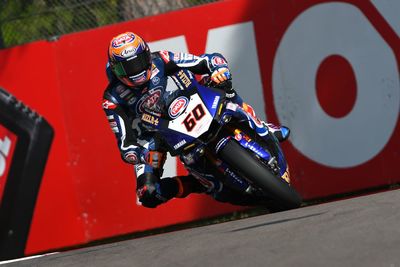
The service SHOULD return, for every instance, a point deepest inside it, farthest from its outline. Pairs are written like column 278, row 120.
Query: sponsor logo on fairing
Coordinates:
column 177, row 107
column 253, row 148
column 286, row 175
column 180, row 144
column 120, row 41
column 238, row 137
column 108, row 104
column 215, row 102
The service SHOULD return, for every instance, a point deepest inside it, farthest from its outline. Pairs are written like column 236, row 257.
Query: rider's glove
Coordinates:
column 221, row 75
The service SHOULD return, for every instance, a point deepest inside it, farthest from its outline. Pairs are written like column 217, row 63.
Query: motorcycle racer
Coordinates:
column 138, row 82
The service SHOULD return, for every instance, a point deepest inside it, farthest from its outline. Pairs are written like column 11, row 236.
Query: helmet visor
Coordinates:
column 133, row 66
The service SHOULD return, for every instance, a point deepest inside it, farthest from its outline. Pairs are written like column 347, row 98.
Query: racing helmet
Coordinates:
column 130, row 59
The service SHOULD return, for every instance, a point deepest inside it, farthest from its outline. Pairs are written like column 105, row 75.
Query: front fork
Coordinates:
column 246, row 114
column 246, row 142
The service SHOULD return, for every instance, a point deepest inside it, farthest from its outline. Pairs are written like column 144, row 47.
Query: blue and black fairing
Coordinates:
column 188, row 86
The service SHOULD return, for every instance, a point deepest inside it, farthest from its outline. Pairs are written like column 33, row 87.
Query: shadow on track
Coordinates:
column 276, row 222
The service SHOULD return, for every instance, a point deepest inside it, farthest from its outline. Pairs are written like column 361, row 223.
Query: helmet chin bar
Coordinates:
column 137, row 80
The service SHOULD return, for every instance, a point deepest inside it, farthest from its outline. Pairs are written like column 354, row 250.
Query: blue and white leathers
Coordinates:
column 124, row 105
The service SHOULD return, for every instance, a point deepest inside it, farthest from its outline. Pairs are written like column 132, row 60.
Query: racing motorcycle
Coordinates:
column 220, row 143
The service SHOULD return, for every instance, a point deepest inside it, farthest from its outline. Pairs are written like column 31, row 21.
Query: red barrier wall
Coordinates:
column 88, row 193
column 30, row 73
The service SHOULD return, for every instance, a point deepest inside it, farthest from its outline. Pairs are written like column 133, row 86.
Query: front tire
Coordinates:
column 242, row 161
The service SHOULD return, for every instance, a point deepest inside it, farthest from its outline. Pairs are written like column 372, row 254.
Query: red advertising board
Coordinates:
column 30, row 73
column 327, row 69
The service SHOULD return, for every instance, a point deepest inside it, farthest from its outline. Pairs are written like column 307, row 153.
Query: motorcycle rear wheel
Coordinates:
column 244, row 163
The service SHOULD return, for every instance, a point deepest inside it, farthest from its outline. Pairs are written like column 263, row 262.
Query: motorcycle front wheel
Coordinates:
column 248, row 166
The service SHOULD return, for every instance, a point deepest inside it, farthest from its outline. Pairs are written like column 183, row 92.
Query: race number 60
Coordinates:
column 191, row 120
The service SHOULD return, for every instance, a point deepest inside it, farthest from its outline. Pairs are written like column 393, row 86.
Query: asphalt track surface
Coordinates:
column 361, row 231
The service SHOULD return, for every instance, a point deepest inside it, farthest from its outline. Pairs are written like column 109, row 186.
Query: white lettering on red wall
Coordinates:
column 5, row 145
column 390, row 11
column 320, row 32
column 237, row 43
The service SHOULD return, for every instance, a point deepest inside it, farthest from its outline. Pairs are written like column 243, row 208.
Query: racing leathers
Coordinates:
column 124, row 106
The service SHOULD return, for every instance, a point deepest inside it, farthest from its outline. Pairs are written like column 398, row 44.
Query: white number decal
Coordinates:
column 195, row 120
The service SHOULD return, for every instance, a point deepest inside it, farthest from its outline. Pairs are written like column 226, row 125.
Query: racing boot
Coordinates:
column 152, row 191
column 280, row 132
column 188, row 184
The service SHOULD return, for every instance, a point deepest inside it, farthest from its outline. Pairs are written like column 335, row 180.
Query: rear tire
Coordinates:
column 242, row 161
